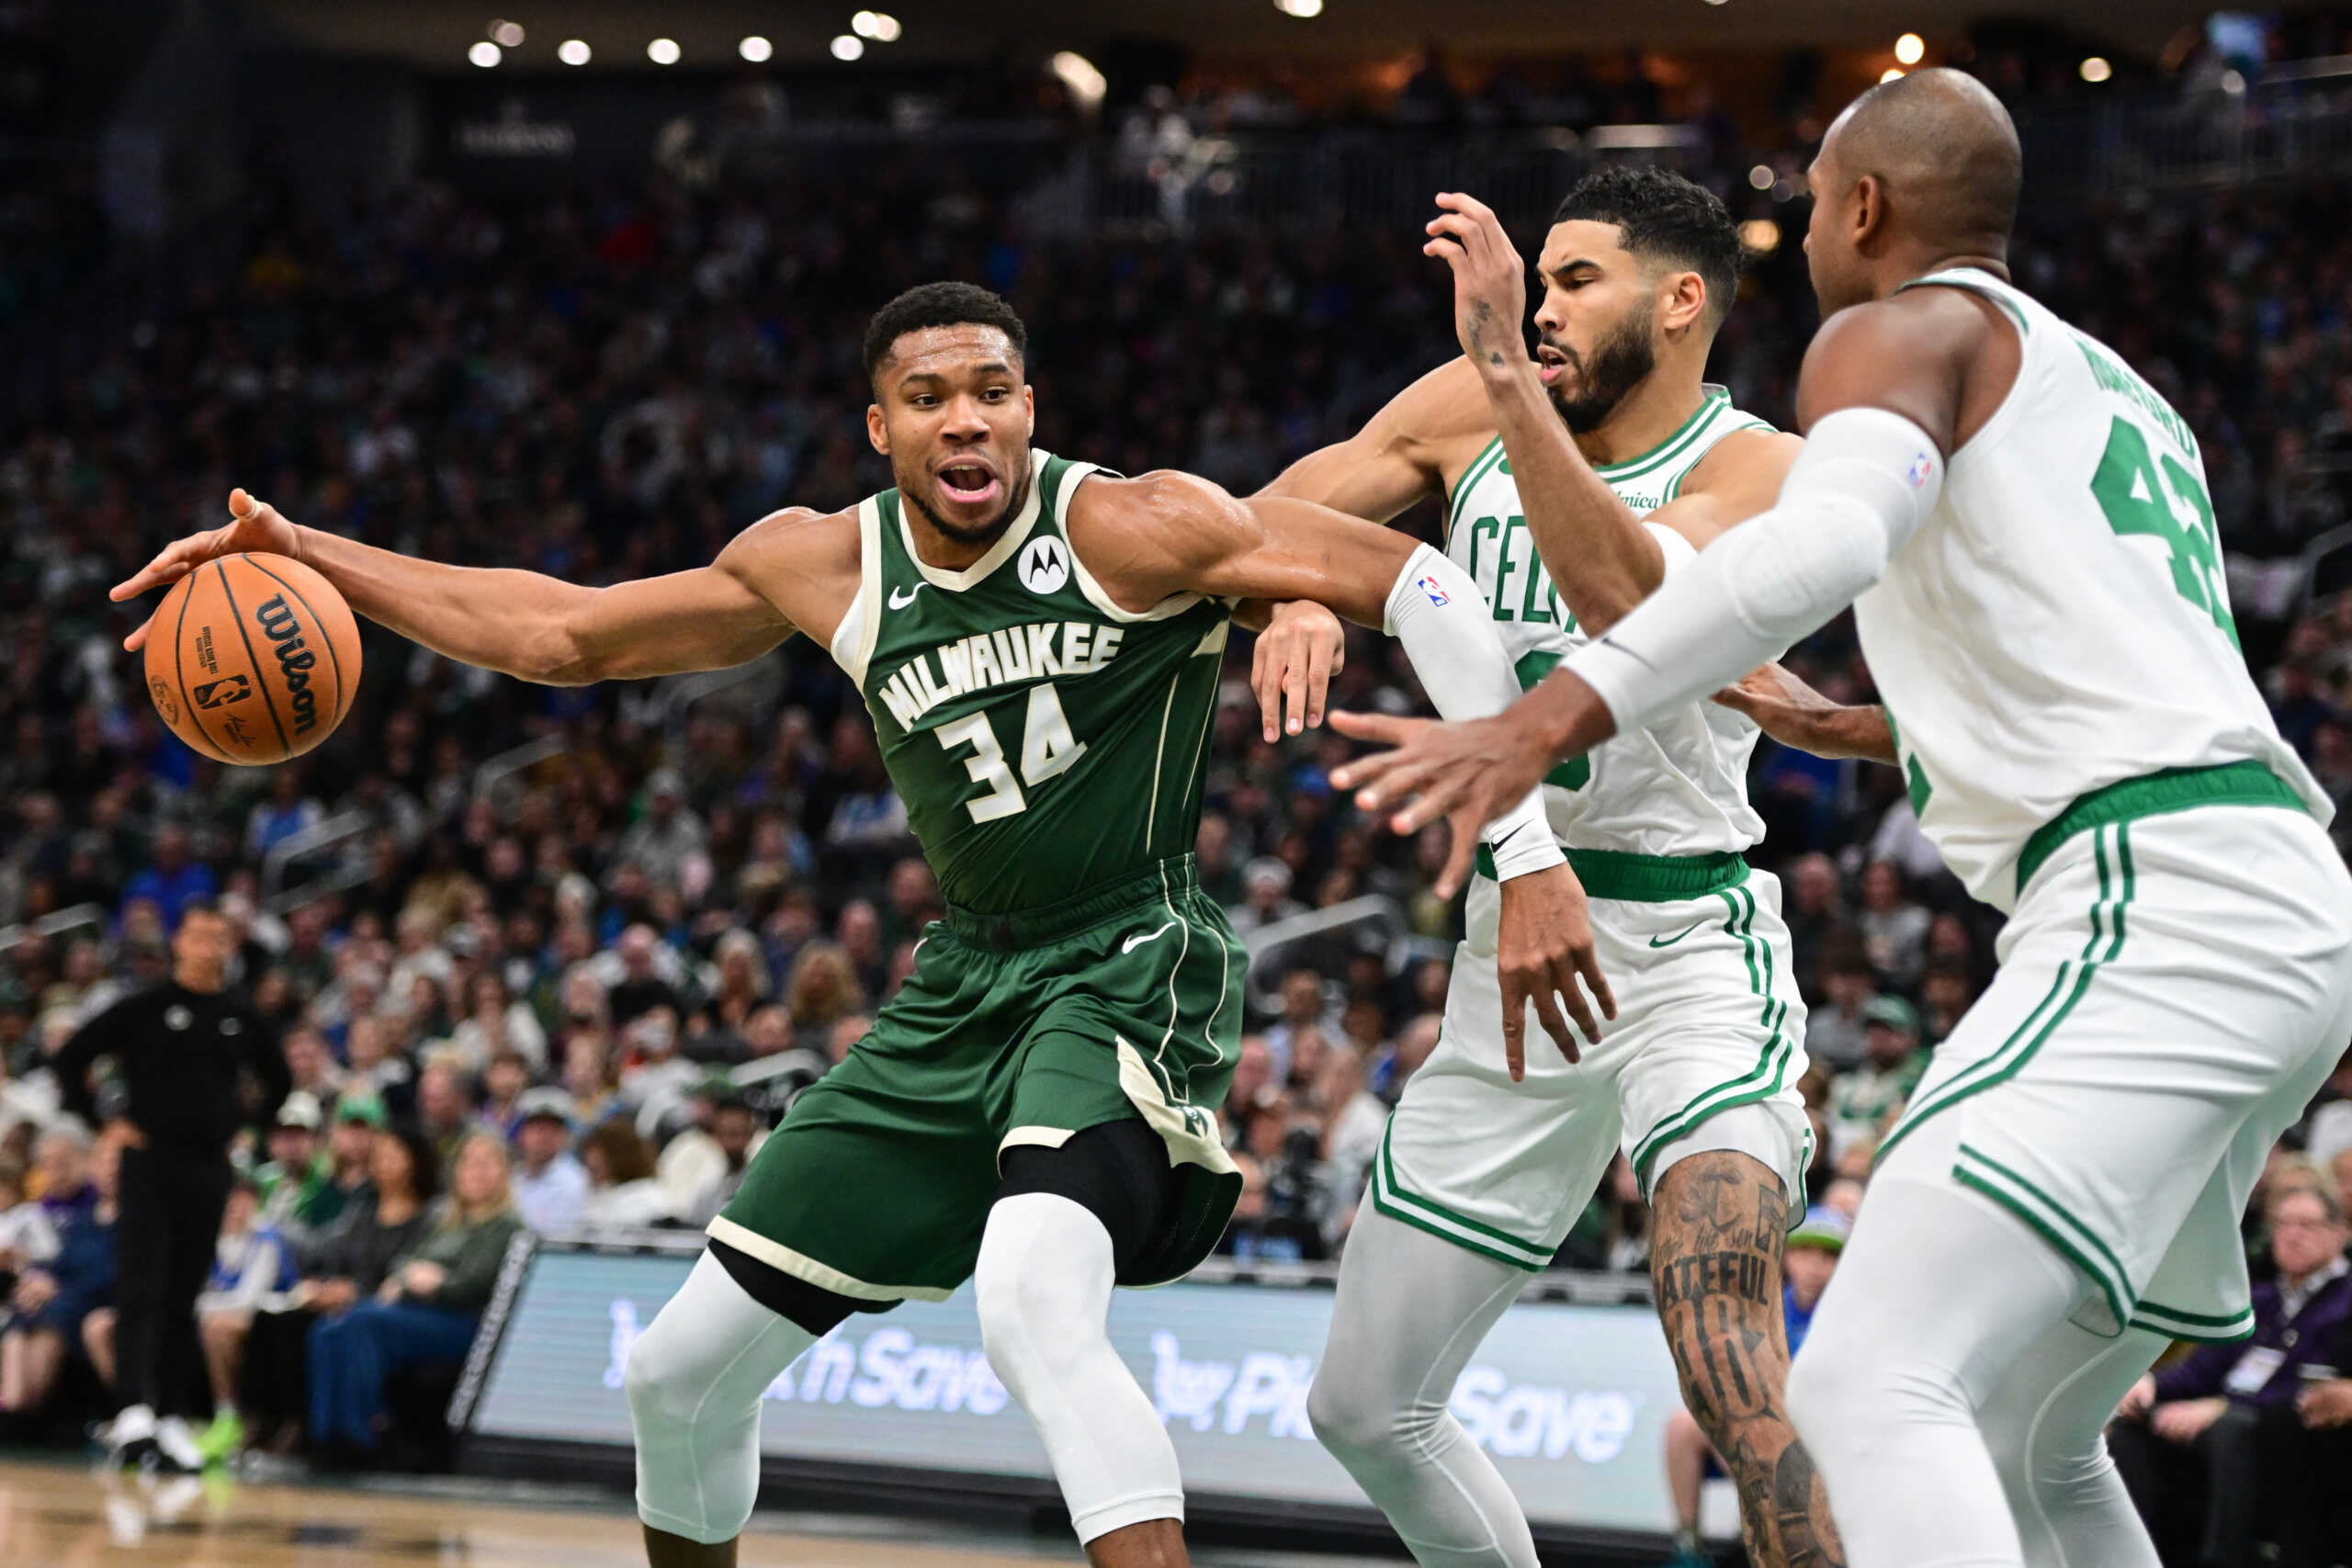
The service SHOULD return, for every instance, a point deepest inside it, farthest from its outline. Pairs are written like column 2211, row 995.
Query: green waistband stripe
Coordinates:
column 2161, row 794
column 1645, row 879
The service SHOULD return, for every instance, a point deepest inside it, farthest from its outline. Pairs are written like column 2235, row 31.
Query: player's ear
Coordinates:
column 1682, row 300
column 1029, row 405
column 1869, row 210
column 877, row 430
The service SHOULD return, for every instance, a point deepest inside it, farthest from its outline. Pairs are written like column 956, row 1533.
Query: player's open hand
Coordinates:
column 1301, row 648
column 1468, row 774
column 1543, row 951
column 1490, row 282
column 253, row 525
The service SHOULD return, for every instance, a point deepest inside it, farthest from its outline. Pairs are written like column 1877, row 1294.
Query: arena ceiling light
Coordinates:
column 1760, row 177
column 1086, row 84
column 506, row 35
column 879, row 26
column 847, row 46
column 1910, row 48
column 574, row 51
column 663, row 51
column 1303, row 9
column 2096, row 69
column 1760, row 235
column 1892, row 73
column 484, row 54
column 756, row 50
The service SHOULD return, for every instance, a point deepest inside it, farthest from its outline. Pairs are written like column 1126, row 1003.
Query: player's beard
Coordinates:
column 1621, row 361
column 984, row 534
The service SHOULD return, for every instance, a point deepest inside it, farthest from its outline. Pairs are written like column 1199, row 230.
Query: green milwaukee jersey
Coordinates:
column 1043, row 739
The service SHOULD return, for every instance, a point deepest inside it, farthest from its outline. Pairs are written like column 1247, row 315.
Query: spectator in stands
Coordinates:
column 427, row 1309
column 2190, row 1467
column 1864, row 1101
column 736, row 1131
column 443, row 1111
column 1265, row 895
column 2305, row 1459
column 1835, row 1034
column 668, row 836
column 643, row 986
column 295, row 1182
column 1816, row 912
column 743, row 983
column 173, row 881
column 1304, row 1007
column 1414, row 1044
column 590, row 1076
column 348, row 1264
column 1945, row 996
column 622, row 1192
column 1355, row 1121
column 503, row 1083
column 550, row 1184
column 496, row 1022
column 1809, row 1259
column 1894, row 928
column 823, row 986
column 251, row 1264
column 379, row 1075
column 51, row 1311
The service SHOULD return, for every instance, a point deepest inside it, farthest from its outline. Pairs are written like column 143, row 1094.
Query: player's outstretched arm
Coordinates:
column 1604, row 557
column 1396, row 461
column 1882, row 391
column 1795, row 715
column 527, row 625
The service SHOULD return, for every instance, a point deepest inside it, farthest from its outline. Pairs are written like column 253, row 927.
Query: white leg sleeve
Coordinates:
column 693, row 1378
column 1043, row 1284
column 1411, row 1311
column 1939, row 1295
column 2045, row 1425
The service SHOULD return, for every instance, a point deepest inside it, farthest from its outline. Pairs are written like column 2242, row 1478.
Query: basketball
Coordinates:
column 254, row 658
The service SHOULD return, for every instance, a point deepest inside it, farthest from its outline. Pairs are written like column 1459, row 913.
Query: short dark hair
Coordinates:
column 1661, row 216
column 940, row 305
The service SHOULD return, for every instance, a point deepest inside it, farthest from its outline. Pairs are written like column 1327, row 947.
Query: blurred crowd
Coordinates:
column 570, row 989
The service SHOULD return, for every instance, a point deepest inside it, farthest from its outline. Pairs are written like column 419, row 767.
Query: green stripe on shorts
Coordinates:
column 1392, row 1199
column 1760, row 1082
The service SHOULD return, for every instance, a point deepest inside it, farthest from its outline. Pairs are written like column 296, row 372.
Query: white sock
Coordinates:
column 178, row 1444
column 1043, row 1281
column 133, row 1423
column 1411, row 1311
column 693, row 1378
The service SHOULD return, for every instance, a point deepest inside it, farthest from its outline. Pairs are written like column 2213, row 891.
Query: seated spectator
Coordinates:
column 496, row 1022
column 655, row 1079
column 1265, row 895
column 1811, row 1257
column 27, row 1235
column 1355, row 1121
column 380, row 1220
column 443, row 1111
column 1864, row 1100
column 2306, row 1454
column 550, row 1184
column 590, row 1076
column 622, row 1192
column 64, row 1306
column 427, row 1309
column 736, row 1131
column 1414, row 1044
column 1304, row 1007
column 503, row 1083
column 846, row 1031
column 1945, row 996
column 743, row 982
column 822, row 985
column 1281, row 1213
column 62, row 1175
column 1894, row 928
column 1833, row 1031
column 251, row 1264
column 378, row 1070
column 2185, row 1436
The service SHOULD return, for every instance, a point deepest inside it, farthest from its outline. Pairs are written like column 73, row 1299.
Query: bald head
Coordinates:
column 1947, row 153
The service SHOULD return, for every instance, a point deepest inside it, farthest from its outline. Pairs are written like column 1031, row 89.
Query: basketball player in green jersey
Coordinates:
column 1039, row 646
column 1610, row 457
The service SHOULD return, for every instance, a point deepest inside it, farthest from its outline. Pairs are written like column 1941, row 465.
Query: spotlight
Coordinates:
column 484, row 54
column 1910, row 48
column 1891, row 73
column 2096, row 69
column 1078, row 73
column 846, row 47
column 1760, row 177
column 572, row 51
column 663, row 51
column 1302, row 9
column 879, row 26
column 506, row 35
column 755, row 48
column 1760, row 235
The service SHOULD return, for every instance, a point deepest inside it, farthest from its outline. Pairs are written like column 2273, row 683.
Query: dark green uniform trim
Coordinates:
column 2161, row 794
column 1645, row 879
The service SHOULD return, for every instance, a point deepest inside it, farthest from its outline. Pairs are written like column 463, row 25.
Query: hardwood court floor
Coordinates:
column 67, row 1515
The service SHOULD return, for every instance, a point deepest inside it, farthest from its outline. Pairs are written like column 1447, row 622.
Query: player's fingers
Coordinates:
column 1587, row 965
column 1564, row 977
column 1265, row 680
column 1385, row 777
column 138, row 639
column 1387, row 729
column 1450, row 253
column 1294, row 691
column 1424, row 794
column 1458, row 861
column 1547, row 1014
column 1514, row 989
column 1322, row 663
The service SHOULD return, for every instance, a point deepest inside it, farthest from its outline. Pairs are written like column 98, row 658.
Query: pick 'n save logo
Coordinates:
column 1044, row 565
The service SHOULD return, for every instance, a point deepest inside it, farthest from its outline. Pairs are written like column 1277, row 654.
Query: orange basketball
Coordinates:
column 254, row 658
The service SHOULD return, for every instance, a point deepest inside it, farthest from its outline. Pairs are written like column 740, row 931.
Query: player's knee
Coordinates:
column 1826, row 1399
column 658, row 1381
column 1347, row 1418
column 1029, row 1327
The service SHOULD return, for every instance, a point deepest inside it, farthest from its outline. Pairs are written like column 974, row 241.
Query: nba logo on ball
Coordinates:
column 1045, row 567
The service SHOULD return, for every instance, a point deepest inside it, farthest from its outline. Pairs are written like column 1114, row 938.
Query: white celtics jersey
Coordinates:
column 2060, row 621
column 1678, row 787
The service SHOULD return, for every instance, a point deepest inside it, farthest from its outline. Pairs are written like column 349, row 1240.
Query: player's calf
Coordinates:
column 1715, row 1265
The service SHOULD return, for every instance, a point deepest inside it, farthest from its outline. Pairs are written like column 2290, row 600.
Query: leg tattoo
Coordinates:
column 1715, row 1264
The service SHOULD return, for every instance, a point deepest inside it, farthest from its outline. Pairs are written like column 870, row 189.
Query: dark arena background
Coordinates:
column 579, row 288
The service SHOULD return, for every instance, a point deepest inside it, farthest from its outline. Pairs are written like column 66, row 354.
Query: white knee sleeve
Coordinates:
column 2046, row 1424
column 1412, row 1312
column 694, row 1380
column 1043, row 1284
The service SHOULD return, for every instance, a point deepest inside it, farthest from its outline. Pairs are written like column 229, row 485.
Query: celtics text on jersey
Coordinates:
column 1043, row 739
column 1678, row 787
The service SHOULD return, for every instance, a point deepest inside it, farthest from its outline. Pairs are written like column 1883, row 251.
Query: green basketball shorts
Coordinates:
column 1026, row 1028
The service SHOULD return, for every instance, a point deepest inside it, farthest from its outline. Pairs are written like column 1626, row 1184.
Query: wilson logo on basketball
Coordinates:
column 278, row 621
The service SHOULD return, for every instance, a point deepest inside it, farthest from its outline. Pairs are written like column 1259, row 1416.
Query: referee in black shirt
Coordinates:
column 180, row 1049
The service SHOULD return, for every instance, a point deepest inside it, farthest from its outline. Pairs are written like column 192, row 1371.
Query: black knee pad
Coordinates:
column 1117, row 1171
column 813, row 1307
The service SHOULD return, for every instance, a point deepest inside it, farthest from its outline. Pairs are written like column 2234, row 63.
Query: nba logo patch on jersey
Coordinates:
column 1437, row 594
column 1044, row 565
column 1921, row 466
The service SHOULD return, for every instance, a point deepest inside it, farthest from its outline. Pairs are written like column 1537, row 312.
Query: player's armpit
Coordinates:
column 1739, row 479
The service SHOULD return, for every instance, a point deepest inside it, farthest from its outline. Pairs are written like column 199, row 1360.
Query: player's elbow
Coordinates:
column 556, row 652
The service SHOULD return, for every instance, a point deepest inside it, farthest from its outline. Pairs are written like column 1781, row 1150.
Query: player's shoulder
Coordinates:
column 802, row 532
column 1161, row 504
column 1912, row 321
